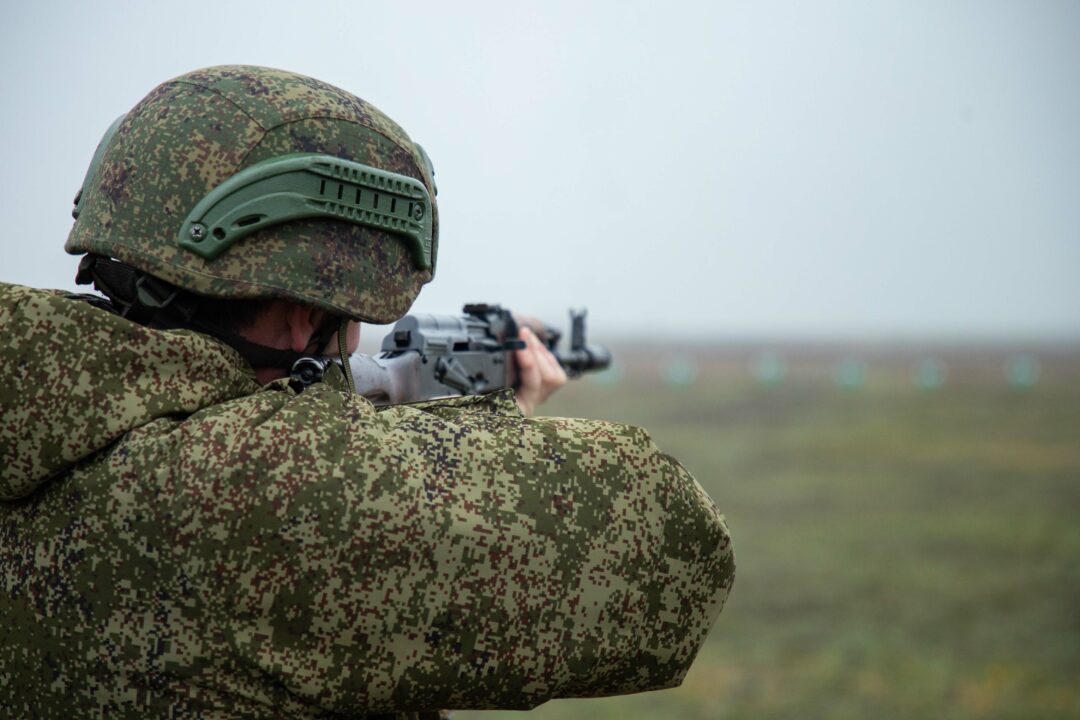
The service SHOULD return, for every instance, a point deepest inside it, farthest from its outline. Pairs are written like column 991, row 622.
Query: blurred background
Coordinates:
column 835, row 247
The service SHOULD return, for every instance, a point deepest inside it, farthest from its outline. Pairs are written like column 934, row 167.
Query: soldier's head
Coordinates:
column 249, row 186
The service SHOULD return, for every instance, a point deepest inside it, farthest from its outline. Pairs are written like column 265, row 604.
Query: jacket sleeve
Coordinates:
column 458, row 555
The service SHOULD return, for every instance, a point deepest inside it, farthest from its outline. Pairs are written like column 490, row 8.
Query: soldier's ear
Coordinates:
column 303, row 322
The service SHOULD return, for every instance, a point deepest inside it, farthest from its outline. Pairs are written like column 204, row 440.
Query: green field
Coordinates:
column 901, row 552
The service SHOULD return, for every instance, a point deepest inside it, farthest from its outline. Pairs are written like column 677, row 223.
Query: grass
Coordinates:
column 901, row 552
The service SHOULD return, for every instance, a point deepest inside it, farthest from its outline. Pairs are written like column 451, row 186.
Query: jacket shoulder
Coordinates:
column 451, row 554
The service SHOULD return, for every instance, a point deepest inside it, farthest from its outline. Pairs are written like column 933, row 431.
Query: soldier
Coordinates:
column 187, row 529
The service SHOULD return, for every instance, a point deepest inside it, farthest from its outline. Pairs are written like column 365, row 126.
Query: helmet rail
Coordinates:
column 298, row 186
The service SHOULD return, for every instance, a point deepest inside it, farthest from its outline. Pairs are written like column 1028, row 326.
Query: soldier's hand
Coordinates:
column 539, row 373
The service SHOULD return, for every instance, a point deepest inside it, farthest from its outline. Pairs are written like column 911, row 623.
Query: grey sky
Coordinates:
column 827, row 169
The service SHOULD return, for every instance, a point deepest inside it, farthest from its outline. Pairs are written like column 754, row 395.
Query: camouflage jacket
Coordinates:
column 178, row 541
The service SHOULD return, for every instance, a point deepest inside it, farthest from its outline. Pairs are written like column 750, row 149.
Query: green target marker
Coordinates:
column 1023, row 371
column 769, row 369
column 930, row 373
column 679, row 371
column 850, row 374
column 609, row 377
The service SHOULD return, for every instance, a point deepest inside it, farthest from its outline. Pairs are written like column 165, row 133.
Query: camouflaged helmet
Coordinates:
column 246, row 182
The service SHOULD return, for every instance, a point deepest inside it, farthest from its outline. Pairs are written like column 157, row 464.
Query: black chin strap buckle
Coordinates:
column 140, row 297
column 154, row 294
column 307, row 371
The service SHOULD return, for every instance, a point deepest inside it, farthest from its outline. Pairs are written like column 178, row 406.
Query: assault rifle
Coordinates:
column 432, row 356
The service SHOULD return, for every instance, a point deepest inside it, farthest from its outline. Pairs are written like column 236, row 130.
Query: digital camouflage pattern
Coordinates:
column 177, row 541
column 191, row 134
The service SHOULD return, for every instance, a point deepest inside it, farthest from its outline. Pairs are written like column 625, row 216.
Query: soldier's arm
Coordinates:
column 459, row 555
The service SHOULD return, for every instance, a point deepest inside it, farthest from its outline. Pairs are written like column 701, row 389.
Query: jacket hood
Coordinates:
column 74, row 378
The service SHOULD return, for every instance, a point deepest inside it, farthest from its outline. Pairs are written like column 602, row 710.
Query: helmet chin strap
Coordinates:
column 343, row 352
column 153, row 302
column 320, row 340
column 310, row 368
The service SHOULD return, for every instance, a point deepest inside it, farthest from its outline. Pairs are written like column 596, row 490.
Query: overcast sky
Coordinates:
column 760, row 169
